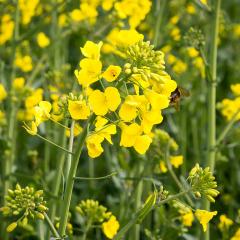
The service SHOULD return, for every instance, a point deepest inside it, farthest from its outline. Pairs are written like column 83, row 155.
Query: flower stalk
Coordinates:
column 211, row 154
column 70, row 179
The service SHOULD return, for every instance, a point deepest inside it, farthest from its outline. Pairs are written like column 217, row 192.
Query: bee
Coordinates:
column 176, row 96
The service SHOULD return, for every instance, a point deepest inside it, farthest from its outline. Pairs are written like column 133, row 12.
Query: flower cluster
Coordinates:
column 203, row 183
column 24, row 203
column 94, row 213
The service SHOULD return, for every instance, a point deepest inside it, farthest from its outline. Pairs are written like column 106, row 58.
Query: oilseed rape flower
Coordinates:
column 3, row 93
column 110, row 227
column 111, row 73
column 42, row 112
column 236, row 235
column 102, row 102
column 187, row 218
column 204, row 217
column 176, row 161
column 27, row 9
column 78, row 109
column 224, row 223
column 91, row 50
column 42, row 40
column 235, row 89
column 18, row 83
column 24, row 62
column 6, row 28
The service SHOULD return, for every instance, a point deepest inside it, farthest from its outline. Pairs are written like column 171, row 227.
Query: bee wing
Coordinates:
column 184, row 92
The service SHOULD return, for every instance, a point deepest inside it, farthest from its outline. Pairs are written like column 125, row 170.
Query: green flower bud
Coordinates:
column 11, row 227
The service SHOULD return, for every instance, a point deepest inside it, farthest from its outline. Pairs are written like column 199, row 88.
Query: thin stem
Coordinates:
column 89, row 224
column 70, row 149
column 174, row 176
column 211, row 155
column 227, row 128
column 54, row 144
column 96, row 178
column 70, row 179
column 51, row 226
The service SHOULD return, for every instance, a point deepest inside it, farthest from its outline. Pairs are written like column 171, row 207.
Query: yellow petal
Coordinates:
column 78, row 109
column 112, row 73
column 112, row 97
column 98, row 103
column 142, row 144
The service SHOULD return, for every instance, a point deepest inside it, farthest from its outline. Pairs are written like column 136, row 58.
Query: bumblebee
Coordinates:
column 176, row 96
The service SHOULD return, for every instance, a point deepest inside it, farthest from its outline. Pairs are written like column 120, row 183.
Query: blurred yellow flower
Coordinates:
column 102, row 102
column 236, row 89
column 24, row 62
column 3, row 92
column 6, row 28
column 111, row 73
column 192, row 52
column 176, row 161
column 204, row 217
column 163, row 167
column 35, row 97
column 43, row 40
column 78, row 109
column 224, row 223
column 191, row 9
column 187, row 218
column 236, row 235
column 76, row 131
column 42, row 112
column 18, row 83
column 110, row 227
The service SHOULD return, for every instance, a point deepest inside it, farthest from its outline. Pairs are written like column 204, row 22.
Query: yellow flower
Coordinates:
column 131, row 137
column 204, row 217
column 42, row 112
column 18, row 83
column 236, row 89
column 132, row 104
column 225, row 223
column 94, row 147
column 157, row 101
column 105, row 130
column 3, row 93
column 92, row 50
column 149, row 118
column 174, row 20
column 111, row 73
column 191, row 9
column 187, row 218
column 34, row 98
column 179, row 67
column 176, row 161
column 162, row 166
column 6, row 28
column 127, row 38
column 236, row 235
column 78, row 109
column 43, row 40
column 175, row 34
column 110, row 227
column 24, row 63
column 90, row 71
column 203, row 2
column 76, row 131
column 192, row 52
column 32, row 129
column 101, row 102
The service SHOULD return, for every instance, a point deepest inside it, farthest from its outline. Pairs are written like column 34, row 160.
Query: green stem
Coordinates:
column 175, row 178
column 70, row 179
column 89, row 224
column 227, row 128
column 51, row 226
column 70, row 149
column 57, row 180
column 96, row 178
column 161, row 4
column 138, row 202
column 212, row 99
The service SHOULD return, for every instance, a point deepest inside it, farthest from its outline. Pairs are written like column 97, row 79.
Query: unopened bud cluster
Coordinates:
column 203, row 183
column 143, row 59
column 91, row 209
column 24, row 203
column 162, row 194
